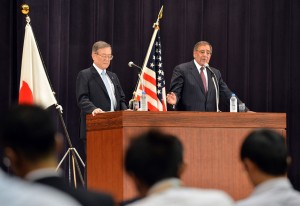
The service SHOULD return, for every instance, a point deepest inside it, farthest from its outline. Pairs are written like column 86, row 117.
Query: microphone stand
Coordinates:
column 217, row 94
column 215, row 81
column 133, row 102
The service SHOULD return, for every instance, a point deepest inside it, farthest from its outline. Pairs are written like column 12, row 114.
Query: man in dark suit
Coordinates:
column 98, row 90
column 29, row 141
column 192, row 87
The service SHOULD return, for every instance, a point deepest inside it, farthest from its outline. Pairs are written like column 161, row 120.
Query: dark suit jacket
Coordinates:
column 187, row 84
column 85, row 197
column 91, row 93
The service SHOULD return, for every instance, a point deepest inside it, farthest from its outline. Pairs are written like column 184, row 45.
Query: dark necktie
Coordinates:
column 203, row 79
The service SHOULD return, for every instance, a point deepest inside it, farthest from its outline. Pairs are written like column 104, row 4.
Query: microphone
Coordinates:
column 131, row 64
column 214, row 75
column 133, row 103
column 207, row 66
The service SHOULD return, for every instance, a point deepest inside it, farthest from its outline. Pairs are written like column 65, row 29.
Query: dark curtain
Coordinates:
column 256, row 46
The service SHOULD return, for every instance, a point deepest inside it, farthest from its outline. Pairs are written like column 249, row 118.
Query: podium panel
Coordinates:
column 211, row 147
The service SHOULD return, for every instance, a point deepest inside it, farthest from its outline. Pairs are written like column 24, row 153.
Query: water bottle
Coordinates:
column 233, row 103
column 144, row 103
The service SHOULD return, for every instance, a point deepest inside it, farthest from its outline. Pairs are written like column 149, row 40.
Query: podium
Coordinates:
column 211, row 143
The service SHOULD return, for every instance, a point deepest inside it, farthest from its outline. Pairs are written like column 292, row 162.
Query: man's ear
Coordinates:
column 10, row 154
column 182, row 169
column 93, row 55
column 14, row 159
column 289, row 161
column 140, row 187
column 194, row 54
column 59, row 142
column 249, row 165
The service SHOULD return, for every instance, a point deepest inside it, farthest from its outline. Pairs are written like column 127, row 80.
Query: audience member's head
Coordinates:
column 28, row 137
column 264, row 155
column 153, row 156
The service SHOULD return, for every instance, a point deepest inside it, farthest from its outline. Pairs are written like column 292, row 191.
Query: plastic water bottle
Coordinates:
column 144, row 102
column 233, row 103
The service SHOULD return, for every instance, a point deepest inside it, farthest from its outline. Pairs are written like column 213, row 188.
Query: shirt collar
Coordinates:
column 272, row 183
column 98, row 69
column 198, row 66
column 42, row 173
column 164, row 185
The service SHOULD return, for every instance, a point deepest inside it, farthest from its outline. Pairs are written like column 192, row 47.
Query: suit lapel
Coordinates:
column 112, row 79
column 98, row 79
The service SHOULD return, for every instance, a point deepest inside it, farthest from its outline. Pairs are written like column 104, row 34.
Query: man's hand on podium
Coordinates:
column 97, row 111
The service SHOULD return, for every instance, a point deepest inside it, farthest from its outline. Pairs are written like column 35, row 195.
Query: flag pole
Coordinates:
column 25, row 10
column 156, row 28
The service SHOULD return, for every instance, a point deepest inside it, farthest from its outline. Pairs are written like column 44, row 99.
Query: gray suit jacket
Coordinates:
column 187, row 84
column 91, row 93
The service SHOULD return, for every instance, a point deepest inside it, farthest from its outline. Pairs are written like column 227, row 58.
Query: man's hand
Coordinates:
column 97, row 111
column 171, row 98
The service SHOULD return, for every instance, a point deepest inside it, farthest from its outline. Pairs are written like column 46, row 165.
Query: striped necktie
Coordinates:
column 203, row 79
column 109, row 89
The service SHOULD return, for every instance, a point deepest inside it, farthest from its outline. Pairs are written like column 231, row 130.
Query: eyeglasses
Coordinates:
column 203, row 52
column 110, row 57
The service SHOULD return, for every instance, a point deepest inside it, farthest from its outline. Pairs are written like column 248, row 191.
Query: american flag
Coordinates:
column 153, row 76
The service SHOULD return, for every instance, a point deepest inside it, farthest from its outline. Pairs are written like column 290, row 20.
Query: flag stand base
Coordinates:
column 72, row 153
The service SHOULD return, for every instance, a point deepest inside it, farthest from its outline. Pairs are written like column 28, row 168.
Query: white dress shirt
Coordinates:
column 275, row 192
column 171, row 192
column 16, row 192
column 43, row 173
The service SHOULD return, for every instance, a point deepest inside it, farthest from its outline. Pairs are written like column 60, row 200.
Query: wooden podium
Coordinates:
column 211, row 142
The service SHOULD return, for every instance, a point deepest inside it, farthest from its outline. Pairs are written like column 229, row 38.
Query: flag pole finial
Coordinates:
column 160, row 15
column 25, row 9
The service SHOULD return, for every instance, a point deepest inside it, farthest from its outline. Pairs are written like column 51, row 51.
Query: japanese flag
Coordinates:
column 34, row 84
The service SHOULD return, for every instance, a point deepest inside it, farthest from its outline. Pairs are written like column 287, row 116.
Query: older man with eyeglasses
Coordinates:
column 98, row 90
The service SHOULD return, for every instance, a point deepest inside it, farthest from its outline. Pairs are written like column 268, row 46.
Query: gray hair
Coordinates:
column 201, row 43
column 100, row 45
